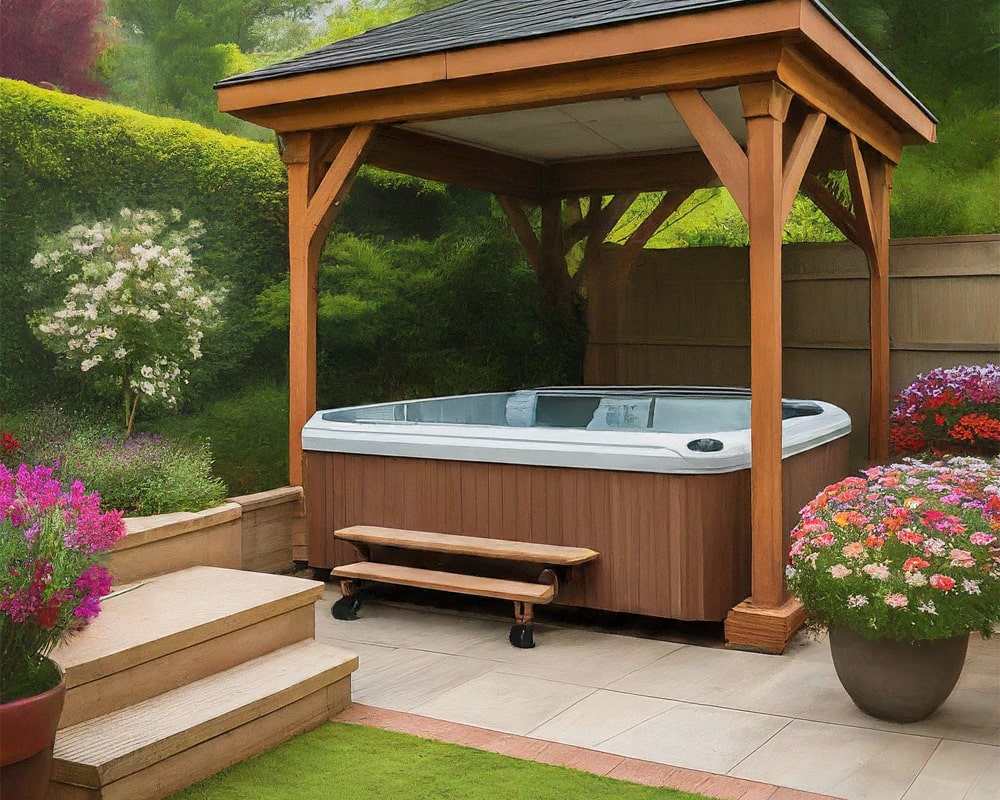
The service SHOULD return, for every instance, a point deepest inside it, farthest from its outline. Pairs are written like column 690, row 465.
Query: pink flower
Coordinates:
column 840, row 571
column 982, row 538
column 897, row 600
column 942, row 582
column 824, row 540
column 962, row 558
column 879, row 572
column 909, row 536
column 853, row 550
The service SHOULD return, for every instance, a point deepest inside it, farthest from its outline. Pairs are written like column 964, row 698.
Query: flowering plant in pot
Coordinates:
column 949, row 410
column 905, row 558
column 51, row 583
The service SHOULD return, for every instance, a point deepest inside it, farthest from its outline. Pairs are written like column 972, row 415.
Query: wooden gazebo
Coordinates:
column 544, row 102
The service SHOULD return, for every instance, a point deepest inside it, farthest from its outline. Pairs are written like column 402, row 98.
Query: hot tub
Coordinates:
column 654, row 478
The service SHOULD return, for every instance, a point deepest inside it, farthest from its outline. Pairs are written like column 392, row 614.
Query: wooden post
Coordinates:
column 767, row 619
column 879, row 172
column 552, row 272
column 314, row 197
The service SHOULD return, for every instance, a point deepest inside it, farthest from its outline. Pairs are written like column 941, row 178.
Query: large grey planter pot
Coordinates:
column 897, row 681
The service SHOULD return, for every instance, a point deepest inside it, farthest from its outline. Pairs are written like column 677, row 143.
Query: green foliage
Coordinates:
column 139, row 475
column 143, row 474
column 357, row 16
column 408, row 768
column 67, row 159
column 248, row 433
column 418, row 318
column 188, row 45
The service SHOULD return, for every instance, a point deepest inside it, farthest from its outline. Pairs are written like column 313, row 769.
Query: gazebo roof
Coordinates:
column 556, row 81
column 472, row 23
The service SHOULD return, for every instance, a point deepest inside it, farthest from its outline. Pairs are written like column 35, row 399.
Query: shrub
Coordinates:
column 133, row 314
column 949, row 410
column 138, row 475
column 143, row 474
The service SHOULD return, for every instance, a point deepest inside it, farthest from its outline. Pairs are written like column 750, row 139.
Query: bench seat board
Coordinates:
column 447, row 582
column 556, row 555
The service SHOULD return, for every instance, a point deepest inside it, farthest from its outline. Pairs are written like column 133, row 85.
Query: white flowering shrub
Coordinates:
column 133, row 312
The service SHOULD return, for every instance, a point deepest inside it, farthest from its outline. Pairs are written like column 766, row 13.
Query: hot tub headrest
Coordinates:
column 520, row 409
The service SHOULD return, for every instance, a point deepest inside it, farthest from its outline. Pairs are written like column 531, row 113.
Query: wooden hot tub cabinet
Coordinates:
column 673, row 546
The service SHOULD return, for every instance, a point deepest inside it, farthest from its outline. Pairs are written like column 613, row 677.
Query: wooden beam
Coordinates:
column 717, row 143
column 669, row 203
column 876, row 88
column 642, row 172
column 833, row 93
column 325, row 201
column 313, row 201
column 861, row 196
column 798, row 160
column 555, row 54
column 709, row 67
column 599, row 225
column 828, row 203
column 436, row 159
column 552, row 271
column 522, row 230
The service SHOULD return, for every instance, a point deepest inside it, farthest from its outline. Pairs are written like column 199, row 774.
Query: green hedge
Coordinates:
column 67, row 159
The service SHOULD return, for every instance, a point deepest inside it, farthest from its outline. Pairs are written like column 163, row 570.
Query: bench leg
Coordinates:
column 346, row 608
column 522, row 632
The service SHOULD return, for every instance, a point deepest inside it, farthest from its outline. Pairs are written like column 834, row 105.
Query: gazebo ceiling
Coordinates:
column 598, row 128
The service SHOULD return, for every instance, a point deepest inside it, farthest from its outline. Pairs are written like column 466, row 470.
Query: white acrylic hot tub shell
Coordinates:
column 628, row 450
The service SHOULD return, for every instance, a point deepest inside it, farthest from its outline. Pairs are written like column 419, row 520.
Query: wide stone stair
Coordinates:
column 185, row 674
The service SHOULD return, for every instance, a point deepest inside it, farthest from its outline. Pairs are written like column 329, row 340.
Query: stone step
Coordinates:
column 177, row 628
column 160, row 745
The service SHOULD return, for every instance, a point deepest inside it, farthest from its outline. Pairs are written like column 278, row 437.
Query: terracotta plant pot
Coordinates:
column 897, row 681
column 27, row 733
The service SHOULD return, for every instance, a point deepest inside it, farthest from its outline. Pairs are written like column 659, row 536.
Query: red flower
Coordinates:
column 8, row 443
column 942, row 582
column 916, row 563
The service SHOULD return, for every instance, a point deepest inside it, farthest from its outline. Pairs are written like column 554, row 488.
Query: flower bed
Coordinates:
column 953, row 410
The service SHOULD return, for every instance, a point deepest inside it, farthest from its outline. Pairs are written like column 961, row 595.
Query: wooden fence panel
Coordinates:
column 683, row 317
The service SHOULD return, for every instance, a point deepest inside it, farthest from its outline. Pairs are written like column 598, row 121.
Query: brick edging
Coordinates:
column 596, row 762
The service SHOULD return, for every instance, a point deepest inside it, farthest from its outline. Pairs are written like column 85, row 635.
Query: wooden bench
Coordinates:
column 558, row 563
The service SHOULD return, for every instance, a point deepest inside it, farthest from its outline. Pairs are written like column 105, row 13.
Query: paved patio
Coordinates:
column 780, row 720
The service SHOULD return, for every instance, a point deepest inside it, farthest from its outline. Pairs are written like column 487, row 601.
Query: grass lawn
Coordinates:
column 358, row 763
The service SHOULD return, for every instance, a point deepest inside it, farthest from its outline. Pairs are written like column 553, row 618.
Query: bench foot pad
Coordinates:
column 522, row 636
column 346, row 608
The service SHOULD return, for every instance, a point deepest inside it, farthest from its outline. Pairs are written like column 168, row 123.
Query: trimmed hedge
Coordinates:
column 67, row 159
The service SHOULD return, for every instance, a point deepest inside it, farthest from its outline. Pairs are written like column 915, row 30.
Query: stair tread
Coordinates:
column 448, row 581
column 107, row 748
column 148, row 622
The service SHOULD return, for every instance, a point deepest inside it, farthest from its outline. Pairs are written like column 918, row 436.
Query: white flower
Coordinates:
column 915, row 578
column 879, row 572
column 970, row 586
column 89, row 363
column 927, row 607
column 120, row 353
column 857, row 601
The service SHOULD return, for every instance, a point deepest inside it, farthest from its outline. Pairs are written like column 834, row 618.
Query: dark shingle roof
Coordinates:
column 472, row 23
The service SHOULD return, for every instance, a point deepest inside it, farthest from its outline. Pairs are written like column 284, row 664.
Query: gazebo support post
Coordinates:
column 870, row 177
column 315, row 192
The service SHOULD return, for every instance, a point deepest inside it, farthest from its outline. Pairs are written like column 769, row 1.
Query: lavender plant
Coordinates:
column 133, row 312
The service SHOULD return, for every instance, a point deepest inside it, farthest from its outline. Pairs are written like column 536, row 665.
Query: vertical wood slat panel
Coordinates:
column 943, row 299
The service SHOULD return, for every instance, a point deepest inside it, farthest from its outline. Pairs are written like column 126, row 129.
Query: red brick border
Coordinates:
column 593, row 761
